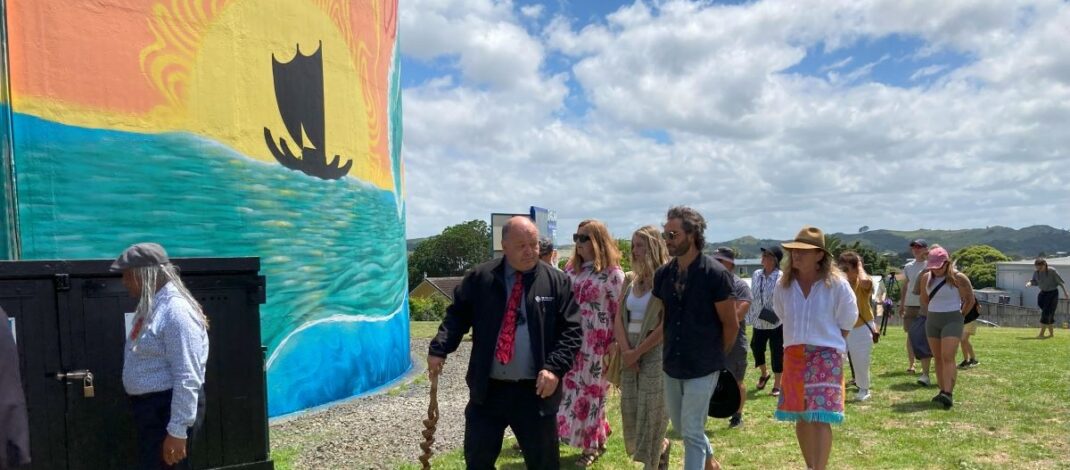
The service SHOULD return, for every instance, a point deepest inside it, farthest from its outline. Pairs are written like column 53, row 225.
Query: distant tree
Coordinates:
column 625, row 247
column 863, row 229
column 979, row 263
column 874, row 262
column 450, row 253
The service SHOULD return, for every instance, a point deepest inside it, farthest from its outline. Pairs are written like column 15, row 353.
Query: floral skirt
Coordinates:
column 812, row 386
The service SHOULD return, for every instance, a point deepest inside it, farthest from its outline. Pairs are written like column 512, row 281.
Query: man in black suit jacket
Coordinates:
column 525, row 334
column 14, row 429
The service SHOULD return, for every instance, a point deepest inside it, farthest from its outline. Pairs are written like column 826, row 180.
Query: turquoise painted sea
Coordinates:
column 333, row 252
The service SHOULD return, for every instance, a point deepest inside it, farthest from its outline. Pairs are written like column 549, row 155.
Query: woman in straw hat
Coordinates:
column 818, row 309
column 947, row 295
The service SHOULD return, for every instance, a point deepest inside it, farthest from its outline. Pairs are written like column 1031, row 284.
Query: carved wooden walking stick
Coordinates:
column 430, row 424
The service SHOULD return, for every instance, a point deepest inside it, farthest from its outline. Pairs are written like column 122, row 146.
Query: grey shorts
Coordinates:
column 736, row 362
column 909, row 315
column 944, row 325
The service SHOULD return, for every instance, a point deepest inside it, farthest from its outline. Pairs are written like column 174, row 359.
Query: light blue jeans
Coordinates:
column 688, row 401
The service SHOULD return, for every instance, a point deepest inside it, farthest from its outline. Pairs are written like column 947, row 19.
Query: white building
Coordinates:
column 1011, row 276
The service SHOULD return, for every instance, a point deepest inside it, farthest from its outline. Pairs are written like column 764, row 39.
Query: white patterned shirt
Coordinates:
column 170, row 353
column 761, row 288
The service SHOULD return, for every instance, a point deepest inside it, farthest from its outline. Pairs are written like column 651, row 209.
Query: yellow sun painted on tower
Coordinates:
column 273, row 79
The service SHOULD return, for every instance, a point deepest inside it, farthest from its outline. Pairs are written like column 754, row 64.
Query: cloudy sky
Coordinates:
column 763, row 115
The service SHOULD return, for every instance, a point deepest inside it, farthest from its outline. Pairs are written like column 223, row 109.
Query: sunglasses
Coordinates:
column 580, row 238
column 671, row 235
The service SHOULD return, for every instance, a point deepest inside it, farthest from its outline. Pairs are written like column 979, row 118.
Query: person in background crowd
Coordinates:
column 947, row 296
column 525, row 334
column 165, row 357
column 860, row 339
column 910, row 304
column 737, row 359
column 596, row 283
column 1048, row 280
column 969, row 357
column 639, row 333
column 818, row 309
column 14, row 426
column 547, row 253
column 693, row 287
column 765, row 332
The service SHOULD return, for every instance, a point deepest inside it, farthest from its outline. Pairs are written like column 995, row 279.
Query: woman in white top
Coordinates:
column 947, row 295
column 638, row 331
column 818, row 308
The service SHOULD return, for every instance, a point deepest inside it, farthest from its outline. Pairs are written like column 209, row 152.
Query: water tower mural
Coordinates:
column 267, row 128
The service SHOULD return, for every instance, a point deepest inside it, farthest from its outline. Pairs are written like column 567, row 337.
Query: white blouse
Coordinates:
column 816, row 320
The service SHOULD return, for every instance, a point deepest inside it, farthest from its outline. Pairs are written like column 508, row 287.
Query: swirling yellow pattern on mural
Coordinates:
column 211, row 61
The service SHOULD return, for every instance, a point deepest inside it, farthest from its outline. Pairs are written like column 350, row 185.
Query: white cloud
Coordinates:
column 532, row 11
column 758, row 151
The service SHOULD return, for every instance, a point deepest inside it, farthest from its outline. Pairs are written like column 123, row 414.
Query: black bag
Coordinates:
column 973, row 313
column 767, row 314
column 876, row 336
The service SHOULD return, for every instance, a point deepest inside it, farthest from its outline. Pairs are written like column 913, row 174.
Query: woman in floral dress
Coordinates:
column 596, row 283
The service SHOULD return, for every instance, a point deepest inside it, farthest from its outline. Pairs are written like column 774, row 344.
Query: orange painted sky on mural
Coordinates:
column 98, row 53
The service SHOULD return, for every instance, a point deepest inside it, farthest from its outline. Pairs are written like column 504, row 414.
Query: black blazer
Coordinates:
column 479, row 304
column 14, row 428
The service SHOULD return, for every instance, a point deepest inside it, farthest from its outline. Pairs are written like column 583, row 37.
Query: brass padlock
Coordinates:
column 87, row 386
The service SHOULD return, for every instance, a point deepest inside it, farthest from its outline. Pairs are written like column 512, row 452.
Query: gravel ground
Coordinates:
column 381, row 431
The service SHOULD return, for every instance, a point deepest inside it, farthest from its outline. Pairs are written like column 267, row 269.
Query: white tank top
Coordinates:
column 636, row 311
column 946, row 300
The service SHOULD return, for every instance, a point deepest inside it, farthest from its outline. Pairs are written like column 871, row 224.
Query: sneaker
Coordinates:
column 973, row 362
column 863, row 395
column 944, row 399
column 923, row 380
column 736, row 421
column 964, row 364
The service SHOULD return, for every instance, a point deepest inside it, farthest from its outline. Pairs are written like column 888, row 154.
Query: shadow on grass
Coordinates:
column 915, row 406
column 906, row 387
column 1028, row 338
column 566, row 462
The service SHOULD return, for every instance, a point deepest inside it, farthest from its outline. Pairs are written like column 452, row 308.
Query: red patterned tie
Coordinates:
column 504, row 351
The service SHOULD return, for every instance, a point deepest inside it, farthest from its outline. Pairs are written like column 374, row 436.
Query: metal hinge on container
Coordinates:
column 63, row 282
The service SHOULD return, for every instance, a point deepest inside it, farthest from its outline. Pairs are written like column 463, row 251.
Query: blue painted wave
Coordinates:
column 328, row 248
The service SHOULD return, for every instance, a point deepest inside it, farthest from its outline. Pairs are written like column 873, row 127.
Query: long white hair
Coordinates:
column 149, row 278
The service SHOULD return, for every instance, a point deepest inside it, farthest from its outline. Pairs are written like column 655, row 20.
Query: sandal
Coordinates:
column 586, row 460
column 663, row 462
column 762, row 381
column 911, row 370
column 775, row 392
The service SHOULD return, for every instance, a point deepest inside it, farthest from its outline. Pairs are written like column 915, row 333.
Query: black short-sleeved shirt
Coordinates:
column 693, row 343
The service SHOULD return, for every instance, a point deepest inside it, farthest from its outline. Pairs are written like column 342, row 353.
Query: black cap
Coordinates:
column 920, row 242
column 724, row 253
column 725, row 399
column 775, row 251
column 139, row 256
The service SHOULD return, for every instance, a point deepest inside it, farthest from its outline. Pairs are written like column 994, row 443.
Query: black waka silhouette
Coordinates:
column 299, row 94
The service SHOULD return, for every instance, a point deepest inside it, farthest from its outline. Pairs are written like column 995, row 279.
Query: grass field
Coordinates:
column 1011, row 411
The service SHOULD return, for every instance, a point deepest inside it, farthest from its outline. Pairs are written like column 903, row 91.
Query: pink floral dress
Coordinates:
column 581, row 420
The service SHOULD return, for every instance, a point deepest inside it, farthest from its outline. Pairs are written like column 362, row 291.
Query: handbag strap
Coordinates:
column 937, row 288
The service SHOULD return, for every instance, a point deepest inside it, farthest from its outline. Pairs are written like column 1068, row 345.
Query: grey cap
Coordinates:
column 724, row 253
column 139, row 256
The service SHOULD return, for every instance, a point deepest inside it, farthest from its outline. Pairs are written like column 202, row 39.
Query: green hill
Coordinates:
column 1017, row 243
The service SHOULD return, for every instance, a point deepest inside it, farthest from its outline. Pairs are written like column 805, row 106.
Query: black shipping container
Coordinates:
column 70, row 316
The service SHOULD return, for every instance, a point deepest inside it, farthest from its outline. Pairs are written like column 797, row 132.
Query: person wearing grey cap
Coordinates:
column 164, row 358
column 737, row 359
column 547, row 253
